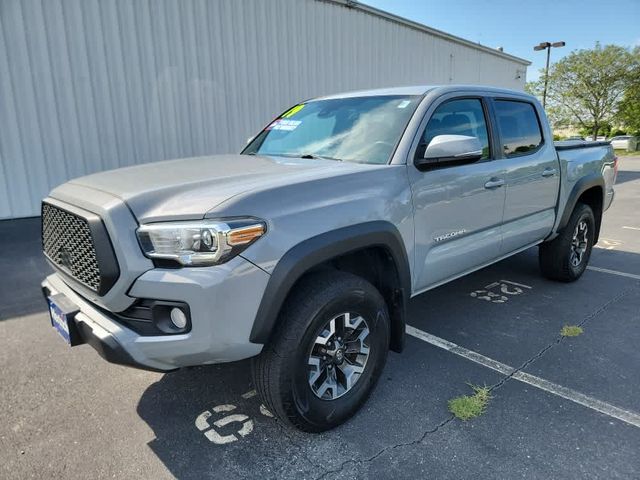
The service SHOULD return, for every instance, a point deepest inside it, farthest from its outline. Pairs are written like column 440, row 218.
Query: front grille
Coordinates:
column 68, row 241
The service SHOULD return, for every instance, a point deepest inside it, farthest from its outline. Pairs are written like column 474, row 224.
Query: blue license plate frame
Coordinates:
column 62, row 314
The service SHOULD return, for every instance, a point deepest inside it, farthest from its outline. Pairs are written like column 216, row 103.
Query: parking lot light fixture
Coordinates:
column 547, row 46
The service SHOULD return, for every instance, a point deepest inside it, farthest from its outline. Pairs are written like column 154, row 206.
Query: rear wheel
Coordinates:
column 566, row 257
column 327, row 352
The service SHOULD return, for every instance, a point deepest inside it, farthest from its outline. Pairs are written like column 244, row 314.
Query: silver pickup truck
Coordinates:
column 303, row 251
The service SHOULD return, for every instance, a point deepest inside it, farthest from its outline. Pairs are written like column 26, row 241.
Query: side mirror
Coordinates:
column 450, row 150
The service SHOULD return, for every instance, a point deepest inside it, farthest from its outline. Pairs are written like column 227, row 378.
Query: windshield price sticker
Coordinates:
column 283, row 124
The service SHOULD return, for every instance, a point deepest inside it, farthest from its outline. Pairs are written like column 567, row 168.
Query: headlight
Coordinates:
column 199, row 243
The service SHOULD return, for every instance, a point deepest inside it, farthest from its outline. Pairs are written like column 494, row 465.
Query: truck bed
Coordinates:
column 581, row 159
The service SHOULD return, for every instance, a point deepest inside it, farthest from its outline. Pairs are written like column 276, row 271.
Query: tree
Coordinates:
column 587, row 86
column 629, row 108
column 558, row 117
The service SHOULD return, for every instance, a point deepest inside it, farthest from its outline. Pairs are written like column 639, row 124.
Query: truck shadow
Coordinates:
column 627, row 175
column 182, row 407
column 172, row 406
column 23, row 267
column 188, row 410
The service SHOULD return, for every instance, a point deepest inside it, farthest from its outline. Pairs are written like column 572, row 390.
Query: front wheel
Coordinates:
column 565, row 258
column 327, row 352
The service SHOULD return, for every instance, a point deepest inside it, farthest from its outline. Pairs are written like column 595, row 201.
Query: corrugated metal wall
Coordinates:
column 88, row 85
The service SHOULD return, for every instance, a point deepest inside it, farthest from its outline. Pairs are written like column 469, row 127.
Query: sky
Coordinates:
column 518, row 25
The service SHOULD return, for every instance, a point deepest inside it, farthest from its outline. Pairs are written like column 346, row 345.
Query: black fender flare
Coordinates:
column 581, row 186
column 326, row 246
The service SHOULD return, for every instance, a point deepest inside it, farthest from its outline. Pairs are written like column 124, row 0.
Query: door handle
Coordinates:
column 494, row 183
column 549, row 172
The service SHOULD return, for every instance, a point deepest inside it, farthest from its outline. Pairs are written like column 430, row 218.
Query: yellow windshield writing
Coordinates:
column 292, row 111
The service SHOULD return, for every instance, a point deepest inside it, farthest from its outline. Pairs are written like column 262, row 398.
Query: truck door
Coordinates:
column 457, row 208
column 532, row 175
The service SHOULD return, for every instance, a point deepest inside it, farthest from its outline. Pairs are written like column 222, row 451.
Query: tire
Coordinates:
column 559, row 259
column 284, row 371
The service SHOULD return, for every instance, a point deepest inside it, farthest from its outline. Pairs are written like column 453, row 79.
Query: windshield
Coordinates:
column 359, row 129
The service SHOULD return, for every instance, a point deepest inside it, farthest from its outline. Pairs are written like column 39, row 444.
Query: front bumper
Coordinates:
column 223, row 301
column 100, row 339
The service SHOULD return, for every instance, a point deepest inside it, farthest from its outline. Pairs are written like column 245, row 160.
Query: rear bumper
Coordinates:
column 223, row 302
column 609, row 199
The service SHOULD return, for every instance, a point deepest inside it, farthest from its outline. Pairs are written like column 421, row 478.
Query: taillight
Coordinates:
column 615, row 168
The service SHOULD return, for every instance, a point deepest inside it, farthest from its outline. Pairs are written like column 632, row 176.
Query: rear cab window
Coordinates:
column 519, row 127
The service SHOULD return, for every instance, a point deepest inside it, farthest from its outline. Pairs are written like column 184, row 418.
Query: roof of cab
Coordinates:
column 423, row 90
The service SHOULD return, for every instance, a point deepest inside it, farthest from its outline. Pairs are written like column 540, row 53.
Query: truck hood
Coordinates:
column 188, row 188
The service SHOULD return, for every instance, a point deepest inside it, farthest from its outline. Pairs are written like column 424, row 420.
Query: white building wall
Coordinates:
column 89, row 85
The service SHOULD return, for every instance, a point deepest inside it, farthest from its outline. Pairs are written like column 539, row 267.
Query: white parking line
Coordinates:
column 626, row 416
column 614, row 272
column 632, row 228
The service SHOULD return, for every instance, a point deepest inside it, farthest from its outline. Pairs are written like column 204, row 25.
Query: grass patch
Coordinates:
column 624, row 153
column 467, row 407
column 571, row 331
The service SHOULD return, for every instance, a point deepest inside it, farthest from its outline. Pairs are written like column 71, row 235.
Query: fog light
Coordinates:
column 178, row 318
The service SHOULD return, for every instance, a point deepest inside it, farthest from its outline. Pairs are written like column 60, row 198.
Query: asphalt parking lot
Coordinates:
column 561, row 407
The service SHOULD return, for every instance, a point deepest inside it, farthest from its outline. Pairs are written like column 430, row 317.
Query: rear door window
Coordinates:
column 519, row 127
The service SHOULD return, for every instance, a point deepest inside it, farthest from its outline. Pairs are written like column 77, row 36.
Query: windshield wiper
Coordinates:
column 306, row 156
column 312, row 156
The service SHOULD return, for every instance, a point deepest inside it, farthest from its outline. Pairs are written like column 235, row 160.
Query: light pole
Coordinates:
column 547, row 46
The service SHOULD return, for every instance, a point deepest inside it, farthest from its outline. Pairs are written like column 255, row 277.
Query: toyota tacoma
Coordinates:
column 303, row 250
